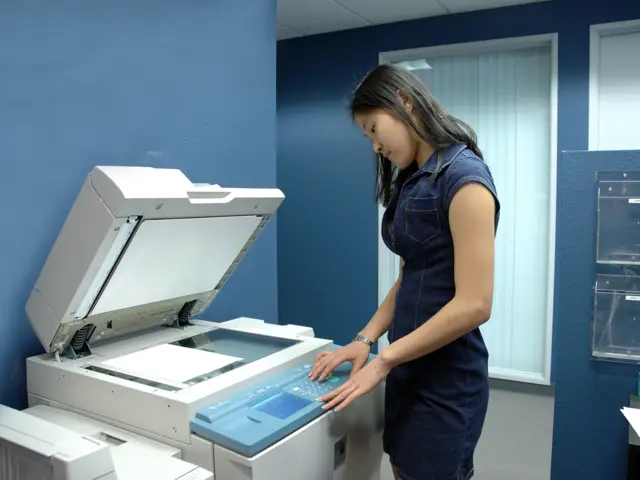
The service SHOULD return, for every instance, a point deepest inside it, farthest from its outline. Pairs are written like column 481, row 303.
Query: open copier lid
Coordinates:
column 141, row 247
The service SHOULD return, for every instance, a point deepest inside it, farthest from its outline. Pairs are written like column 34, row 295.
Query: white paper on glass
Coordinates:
column 170, row 362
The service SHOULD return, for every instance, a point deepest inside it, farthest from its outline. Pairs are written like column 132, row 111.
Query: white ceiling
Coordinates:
column 297, row 18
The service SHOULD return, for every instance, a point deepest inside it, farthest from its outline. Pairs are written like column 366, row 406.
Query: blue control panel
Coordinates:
column 252, row 420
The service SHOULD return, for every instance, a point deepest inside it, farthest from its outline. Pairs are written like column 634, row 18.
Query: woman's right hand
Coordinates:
column 356, row 352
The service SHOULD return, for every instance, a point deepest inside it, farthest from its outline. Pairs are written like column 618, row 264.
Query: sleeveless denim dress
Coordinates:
column 435, row 406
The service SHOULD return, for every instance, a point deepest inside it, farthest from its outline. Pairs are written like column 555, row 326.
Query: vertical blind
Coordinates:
column 506, row 97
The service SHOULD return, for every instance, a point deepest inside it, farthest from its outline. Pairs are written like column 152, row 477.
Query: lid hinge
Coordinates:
column 183, row 319
column 79, row 345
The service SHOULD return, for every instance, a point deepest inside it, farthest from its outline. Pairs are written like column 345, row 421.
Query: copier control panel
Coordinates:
column 252, row 420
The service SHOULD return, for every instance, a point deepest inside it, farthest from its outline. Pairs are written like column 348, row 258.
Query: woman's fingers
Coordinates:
column 326, row 364
column 332, row 363
column 347, row 401
column 343, row 395
column 319, row 364
column 333, row 394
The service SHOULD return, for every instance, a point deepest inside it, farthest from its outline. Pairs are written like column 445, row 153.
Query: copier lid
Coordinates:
column 142, row 247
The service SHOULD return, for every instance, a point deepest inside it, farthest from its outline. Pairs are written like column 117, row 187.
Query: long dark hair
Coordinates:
column 382, row 89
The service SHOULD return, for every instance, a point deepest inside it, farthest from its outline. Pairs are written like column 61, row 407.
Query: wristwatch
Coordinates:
column 362, row 338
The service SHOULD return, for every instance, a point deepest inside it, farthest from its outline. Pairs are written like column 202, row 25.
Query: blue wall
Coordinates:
column 163, row 83
column 590, row 434
column 327, row 228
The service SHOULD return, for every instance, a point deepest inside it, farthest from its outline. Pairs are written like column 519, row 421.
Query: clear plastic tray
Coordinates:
column 616, row 322
column 618, row 235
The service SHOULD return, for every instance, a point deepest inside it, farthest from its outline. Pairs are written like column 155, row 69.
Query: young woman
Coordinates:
column 441, row 217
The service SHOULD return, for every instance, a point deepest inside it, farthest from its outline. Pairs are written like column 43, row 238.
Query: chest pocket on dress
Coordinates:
column 421, row 219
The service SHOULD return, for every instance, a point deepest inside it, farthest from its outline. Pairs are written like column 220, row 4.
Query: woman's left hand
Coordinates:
column 363, row 382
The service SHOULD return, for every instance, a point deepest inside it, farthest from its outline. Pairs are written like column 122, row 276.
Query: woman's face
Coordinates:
column 391, row 137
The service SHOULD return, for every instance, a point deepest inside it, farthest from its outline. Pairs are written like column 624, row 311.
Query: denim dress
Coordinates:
column 435, row 406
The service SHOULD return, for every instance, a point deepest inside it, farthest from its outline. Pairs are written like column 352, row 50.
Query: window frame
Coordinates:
column 596, row 32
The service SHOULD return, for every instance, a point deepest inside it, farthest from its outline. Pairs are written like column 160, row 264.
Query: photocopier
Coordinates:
column 141, row 254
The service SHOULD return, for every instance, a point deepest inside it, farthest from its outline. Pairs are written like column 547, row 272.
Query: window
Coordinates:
column 506, row 90
column 614, row 99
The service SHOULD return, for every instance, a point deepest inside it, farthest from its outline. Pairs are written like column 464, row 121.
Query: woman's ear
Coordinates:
column 405, row 100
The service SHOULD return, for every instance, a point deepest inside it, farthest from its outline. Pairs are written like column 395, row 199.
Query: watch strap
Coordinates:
column 362, row 338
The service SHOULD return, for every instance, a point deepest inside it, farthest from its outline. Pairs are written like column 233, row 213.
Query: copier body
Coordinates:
column 43, row 443
column 141, row 254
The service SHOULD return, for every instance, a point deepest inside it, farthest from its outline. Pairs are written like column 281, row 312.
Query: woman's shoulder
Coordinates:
column 467, row 163
column 467, row 167
column 467, row 160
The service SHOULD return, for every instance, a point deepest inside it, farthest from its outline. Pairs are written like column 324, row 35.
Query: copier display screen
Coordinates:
column 281, row 405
